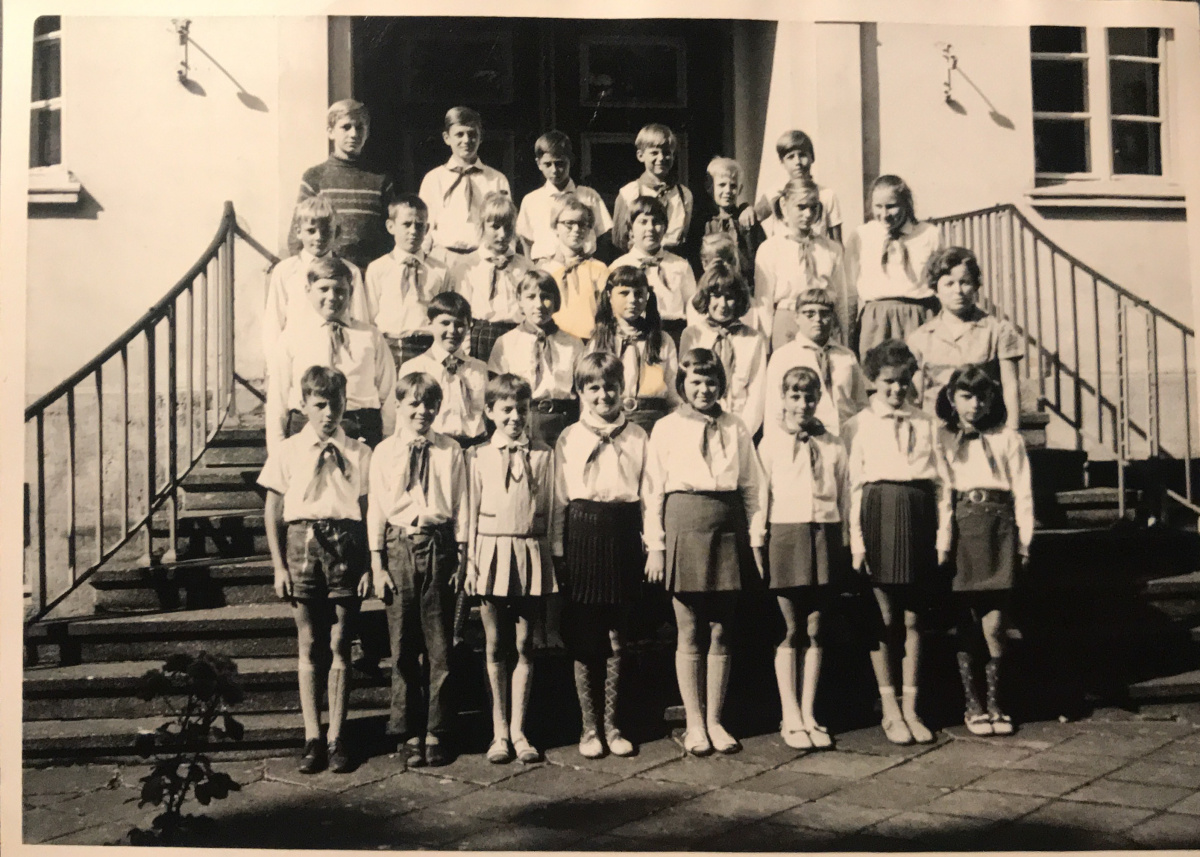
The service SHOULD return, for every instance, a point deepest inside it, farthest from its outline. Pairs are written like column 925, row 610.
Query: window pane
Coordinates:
column 1059, row 86
column 638, row 72
column 1060, row 146
column 1136, row 148
column 45, row 138
column 1134, row 87
column 47, row 24
column 462, row 69
column 1056, row 40
column 47, row 82
column 1133, row 41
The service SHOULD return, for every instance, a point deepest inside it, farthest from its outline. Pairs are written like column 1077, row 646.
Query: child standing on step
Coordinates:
column 596, row 534
column 808, row 514
column 962, row 333
column 316, row 483
column 899, row 525
column 535, row 222
column 705, row 503
column 797, row 154
column 657, row 148
column 579, row 275
column 417, row 527
column 510, row 562
column 993, row 528
column 670, row 276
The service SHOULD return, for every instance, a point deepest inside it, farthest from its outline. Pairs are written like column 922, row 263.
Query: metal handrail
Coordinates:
column 1022, row 284
column 157, row 443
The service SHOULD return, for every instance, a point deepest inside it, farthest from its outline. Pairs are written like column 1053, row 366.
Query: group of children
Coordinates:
column 545, row 429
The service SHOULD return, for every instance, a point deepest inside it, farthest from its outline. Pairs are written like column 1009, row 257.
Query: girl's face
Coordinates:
column 497, row 234
column 799, row 405
column 702, row 392
column 572, row 230
column 801, row 211
column 722, row 308
column 887, row 208
column 798, row 163
column 957, row 291
column 536, row 305
column 510, row 416
column 893, row 384
column 816, row 322
column 629, row 302
column 602, row 397
column 647, row 233
column 725, row 188
column 970, row 407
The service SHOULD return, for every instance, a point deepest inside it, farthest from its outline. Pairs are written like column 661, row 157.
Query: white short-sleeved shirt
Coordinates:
column 533, row 221
column 397, row 300
column 392, row 501
column 946, row 342
column 455, row 212
column 312, row 494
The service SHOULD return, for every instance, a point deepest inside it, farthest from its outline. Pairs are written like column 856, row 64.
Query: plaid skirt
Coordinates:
column 484, row 334
column 405, row 348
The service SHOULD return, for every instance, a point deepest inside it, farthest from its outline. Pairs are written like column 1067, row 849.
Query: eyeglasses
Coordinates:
column 573, row 224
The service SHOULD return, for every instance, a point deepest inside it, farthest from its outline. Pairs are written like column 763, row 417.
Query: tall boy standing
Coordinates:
column 535, row 221
column 657, row 149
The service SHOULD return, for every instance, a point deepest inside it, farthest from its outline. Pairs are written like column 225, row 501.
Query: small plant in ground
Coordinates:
column 199, row 691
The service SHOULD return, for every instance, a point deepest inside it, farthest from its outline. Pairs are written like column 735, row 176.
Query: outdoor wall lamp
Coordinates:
column 182, row 25
column 951, row 65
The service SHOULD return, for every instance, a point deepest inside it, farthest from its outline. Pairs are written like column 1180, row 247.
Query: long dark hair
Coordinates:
column 604, row 335
column 975, row 379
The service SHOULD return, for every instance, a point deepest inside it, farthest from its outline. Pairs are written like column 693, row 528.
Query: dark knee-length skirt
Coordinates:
column 899, row 523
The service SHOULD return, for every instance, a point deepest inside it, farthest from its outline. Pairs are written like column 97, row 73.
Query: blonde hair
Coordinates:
column 347, row 107
column 721, row 166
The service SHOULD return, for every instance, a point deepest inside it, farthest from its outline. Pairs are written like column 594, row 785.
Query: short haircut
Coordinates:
column 976, row 379
column 719, row 247
column 424, row 387
column 535, row 278
column 449, row 303
column 463, row 116
column 796, row 188
column 890, row 352
column 656, row 134
column 720, row 166
column 498, row 207
column 330, row 267
column 314, row 209
column 722, row 280
column 801, row 378
column 946, row 260
column 599, row 366
column 554, row 143
column 789, row 141
column 648, row 205
column 570, row 202
column 900, row 188
column 700, row 361
column 407, row 200
column 347, row 107
column 324, row 381
column 820, row 297
column 507, row 386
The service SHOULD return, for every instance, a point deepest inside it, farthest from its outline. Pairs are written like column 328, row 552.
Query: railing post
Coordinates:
column 72, row 527
column 172, row 431
column 1122, row 427
column 1153, row 414
column 43, row 588
column 151, row 440
column 1078, row 375
column 99, row 464
column 1187, row 424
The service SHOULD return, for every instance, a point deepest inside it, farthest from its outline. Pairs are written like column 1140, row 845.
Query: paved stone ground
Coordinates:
column 1114, row 780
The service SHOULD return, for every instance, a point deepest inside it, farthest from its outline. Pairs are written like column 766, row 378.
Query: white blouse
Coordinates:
column 800, row 494
column 1007, row 470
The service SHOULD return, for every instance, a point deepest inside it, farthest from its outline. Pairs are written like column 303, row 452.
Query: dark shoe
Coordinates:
column 436, row 755
column 339, row 759
column 314, row 758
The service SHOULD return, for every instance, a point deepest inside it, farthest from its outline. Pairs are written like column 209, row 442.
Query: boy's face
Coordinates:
column 316, row 236
column 535, row 305
column 798, row 163
column 957, row 291
column 463, row 141
column 572, row 230
column 658, row 159
column 449, row 331
column 801, row 211
column 556, row 169
column 725, row 189
column 349, row 135
column 968, row 406
column 408, row 227
column 629, row 302
column 510, row 416
column 887, row 208
column 799, row 404
column 893, row 384
column 647, row 233
column 416, row 414
column 602, row 397
column 497, row 234
column 324, row 414
column 329, row 297
column 701, row 391
column 816, row 322
column 722, row 308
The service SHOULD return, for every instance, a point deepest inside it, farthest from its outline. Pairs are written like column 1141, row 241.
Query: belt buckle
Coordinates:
column 976, row 495
column 629, row 404
column 544, row 406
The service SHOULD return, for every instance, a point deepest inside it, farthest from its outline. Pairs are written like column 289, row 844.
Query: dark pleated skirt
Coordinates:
column 484, row 335
column 803, row 554
column 708, row 542
column 603, row 552
column 985, row 547
column 406, row 348
column 899, row 522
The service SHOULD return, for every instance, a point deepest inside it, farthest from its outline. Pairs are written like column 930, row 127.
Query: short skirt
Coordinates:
column 514, row 566
column 899, row 525
column 603, row 552
column 803, row 554
column 707, row 542
column 985, row 545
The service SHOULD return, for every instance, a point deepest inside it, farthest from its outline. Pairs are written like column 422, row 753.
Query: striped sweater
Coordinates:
column 360, row 198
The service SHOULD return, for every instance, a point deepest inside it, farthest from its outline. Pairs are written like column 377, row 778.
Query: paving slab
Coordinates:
column 556, row 782
column 649, row 756
column 677, row 823
column 473, row 768
column 1159, row 773
column 765, row 836
column 370, row 771
column 831, row 816
column 989, row 805
column 1107, row 743
column 768, row 750
column 407, row 792
column 959, row 732
column 793, row 784
column 70, row 779
column 494, row 804
column 1021, row 782
column 982, row 753
column 634, row 798
column 872, row 741
column 941, row 832
column 1189, row 805
column 428, row 828
column 112, row 833
column 42, row 823
column 1176, row 753
column 1129, row 794
column 711, row 771
column 1079, row 764
column 733, row 803
column 930, row 771
column 845, row 765
column 894, row 796
column 513, row 837
column 1169, row 830
column 1086, row 816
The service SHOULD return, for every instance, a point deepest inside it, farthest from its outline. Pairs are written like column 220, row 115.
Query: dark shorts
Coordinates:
column 326, row 558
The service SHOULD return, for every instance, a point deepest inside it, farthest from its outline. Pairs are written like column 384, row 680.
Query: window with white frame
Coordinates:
column 45, row 124
column 1098, row 102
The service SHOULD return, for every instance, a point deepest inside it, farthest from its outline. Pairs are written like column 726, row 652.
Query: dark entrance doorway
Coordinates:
column 598, row 81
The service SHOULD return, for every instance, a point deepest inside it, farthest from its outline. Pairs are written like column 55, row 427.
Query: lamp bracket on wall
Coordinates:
column 182, row 26
column 951, row 65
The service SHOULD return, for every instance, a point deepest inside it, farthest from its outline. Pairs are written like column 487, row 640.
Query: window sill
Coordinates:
column 1133, row 193
column 53, row 186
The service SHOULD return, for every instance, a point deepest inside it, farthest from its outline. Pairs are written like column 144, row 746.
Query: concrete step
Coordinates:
column 1185, row 685
column 110, row 690
column 224, row 488
column 235, row 456
column 191, row 585
column 1177, row 596
column 1089, row 507
column 240, row 435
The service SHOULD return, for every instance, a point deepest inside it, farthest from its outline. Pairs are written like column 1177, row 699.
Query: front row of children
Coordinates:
column 511, row 521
